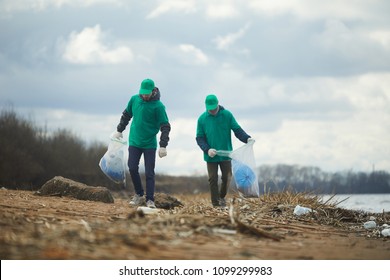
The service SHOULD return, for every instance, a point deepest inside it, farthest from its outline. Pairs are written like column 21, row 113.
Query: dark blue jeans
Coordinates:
column 133, row 164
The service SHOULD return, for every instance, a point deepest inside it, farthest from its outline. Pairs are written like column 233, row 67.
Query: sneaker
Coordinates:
column 136, row 200
column 222, row 202
column 150, row 204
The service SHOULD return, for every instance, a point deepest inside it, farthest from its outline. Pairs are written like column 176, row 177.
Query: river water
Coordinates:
column 373, row 203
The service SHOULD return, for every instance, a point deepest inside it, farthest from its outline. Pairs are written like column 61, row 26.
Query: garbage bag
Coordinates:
column 113, row 162
column 243, row 167
column 244, row 175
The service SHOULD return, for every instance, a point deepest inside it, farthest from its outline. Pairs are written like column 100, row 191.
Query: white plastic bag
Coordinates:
column 386, row 232
column 244, row 169
column 369, row 225
column 113, row 162
column 301, row 210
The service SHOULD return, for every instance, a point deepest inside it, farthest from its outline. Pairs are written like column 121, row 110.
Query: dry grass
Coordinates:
column 39, row 227
column 269, row 212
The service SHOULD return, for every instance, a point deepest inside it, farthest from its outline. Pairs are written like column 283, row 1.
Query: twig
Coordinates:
column 243, row 228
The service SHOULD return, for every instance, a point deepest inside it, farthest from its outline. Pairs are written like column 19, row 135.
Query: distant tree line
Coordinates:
column 313, row 179
column 30, row 156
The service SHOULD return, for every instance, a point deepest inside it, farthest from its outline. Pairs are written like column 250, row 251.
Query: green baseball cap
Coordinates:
column 147, row 86
column 211, row 102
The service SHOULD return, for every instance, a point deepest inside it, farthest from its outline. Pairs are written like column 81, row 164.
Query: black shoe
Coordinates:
column 222, row 202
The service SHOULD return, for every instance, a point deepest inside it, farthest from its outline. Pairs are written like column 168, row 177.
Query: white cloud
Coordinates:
column 335, row 139
column 337, row 35
column 382, row 37
column 356, row 139
column 87, row 47
column 323, row 112
column 355, row 143
column 227, row 9
column 88, row 127
column 173, row 6
column 221, row 10
column 224, row 42
column 330, row 107
column 192, row 55
column 311, row 10
column 353, row 43
column 370, row 94
column 183, row 151
column 10, row 6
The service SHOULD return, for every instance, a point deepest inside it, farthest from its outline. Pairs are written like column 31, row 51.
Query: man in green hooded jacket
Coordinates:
column 148, row 118
column 214, row 133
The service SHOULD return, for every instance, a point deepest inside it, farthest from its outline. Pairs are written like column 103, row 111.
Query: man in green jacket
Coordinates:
column 214, row 133
column 148, row 118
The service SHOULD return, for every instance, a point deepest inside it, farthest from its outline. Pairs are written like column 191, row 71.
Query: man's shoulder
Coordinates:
column 158, row 104
column 223, row 110
column 202, row 116
column 134, row 97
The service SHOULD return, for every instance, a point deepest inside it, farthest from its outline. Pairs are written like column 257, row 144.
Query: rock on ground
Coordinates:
column 60, row 186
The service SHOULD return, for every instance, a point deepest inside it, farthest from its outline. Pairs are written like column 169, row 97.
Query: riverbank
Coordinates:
column 63, row 228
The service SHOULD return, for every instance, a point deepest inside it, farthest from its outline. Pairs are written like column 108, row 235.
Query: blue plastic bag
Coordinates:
column 113, row 161
column 244, row 176
column 243, row 167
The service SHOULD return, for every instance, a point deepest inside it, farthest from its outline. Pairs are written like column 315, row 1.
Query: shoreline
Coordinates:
column 61, row 228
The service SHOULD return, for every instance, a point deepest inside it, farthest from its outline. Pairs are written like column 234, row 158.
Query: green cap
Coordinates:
column 211, row 102
column 147, row 86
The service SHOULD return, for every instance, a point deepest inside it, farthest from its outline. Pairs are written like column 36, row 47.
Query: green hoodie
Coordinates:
column 216, row 131
column 148, row 116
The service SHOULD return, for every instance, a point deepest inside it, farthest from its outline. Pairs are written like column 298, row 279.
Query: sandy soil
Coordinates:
column 50, row 227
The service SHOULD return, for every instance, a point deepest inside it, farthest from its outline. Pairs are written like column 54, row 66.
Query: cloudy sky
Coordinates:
column 308, row 80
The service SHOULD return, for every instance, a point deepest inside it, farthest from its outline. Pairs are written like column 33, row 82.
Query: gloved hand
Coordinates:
column 212, row 152
column 162, row 152
column 250, row 140
column 117, row 135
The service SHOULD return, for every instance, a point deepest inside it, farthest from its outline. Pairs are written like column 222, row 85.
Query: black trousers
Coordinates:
column 133, row 164
column 226, row 170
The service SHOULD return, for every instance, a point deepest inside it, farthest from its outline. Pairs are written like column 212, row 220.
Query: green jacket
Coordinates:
column 215, row 132
column 148, row 118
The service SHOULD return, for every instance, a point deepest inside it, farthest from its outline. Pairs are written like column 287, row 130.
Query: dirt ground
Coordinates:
column 52, row 227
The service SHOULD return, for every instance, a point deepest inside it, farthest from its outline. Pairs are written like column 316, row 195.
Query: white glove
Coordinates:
column 117, row 135
column 212, row 152
column 162, row 152
column 250, row 141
